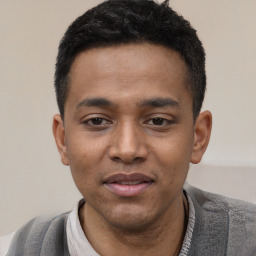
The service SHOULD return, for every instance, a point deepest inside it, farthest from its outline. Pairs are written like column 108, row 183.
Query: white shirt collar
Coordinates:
column 77, row 242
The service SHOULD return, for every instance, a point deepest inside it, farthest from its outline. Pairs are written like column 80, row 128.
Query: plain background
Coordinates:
column 32, row 178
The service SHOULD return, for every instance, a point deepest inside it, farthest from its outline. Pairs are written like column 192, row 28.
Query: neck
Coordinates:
column 162, row 237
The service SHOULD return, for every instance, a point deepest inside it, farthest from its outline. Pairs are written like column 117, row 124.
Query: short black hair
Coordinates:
column 115, row 22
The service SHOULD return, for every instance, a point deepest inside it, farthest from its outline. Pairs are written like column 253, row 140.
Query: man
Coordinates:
column 130, row 82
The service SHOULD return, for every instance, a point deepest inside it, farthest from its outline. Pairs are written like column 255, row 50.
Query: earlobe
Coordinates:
column 202, row 133
column 59, row 135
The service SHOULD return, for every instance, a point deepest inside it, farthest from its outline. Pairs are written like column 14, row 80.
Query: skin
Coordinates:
column 131, row 134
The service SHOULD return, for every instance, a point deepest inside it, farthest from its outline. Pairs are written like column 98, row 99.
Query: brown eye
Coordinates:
column 96, row 121
column 158, row 121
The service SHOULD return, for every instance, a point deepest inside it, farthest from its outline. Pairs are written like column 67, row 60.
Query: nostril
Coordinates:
column 127, row 153
column 126, row 160
column 139, row 159
column 116, row 158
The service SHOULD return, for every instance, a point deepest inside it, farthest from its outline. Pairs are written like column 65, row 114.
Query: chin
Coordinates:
column 130, row 219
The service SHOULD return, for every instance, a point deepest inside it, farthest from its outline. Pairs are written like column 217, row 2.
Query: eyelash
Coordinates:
column 102, row 123
column 97, row 119
column 162, row 120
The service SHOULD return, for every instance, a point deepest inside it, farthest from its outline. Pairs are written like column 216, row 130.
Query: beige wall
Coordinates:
column 32, row 179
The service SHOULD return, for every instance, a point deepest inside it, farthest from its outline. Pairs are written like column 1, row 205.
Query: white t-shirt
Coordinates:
column 78, row 243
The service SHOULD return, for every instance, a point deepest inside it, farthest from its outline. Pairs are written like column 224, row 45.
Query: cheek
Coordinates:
column 83, row 150
column 84, row 156
column 174, row 155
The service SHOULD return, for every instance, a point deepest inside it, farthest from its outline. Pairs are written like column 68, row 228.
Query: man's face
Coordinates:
column 128, row 131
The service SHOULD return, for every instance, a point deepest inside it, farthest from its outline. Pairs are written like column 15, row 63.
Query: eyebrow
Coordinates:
column 159, row 102
column 103, row 102
column 94, row 102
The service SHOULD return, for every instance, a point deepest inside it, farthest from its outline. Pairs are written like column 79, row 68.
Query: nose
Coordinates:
column 128, row 144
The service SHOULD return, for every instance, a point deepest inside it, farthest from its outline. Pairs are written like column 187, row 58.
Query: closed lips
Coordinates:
column 128, row 179
column 128, row 185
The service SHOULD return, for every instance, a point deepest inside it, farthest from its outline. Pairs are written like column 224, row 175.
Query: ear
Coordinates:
column 59, row 135
column 202, row 133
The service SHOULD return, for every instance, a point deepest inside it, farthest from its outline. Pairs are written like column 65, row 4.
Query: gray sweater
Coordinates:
column 223, row 227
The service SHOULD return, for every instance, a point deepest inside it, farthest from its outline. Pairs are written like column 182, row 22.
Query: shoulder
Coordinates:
column 208, row 200
column 223, row 224
column 44, row 233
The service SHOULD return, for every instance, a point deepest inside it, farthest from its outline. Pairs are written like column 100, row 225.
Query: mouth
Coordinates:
column 128, row 185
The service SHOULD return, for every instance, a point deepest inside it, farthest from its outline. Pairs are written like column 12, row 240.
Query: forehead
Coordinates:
column 132, row 57
column 132, row 70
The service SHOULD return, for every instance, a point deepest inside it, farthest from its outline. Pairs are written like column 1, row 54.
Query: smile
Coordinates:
column 128, row 185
